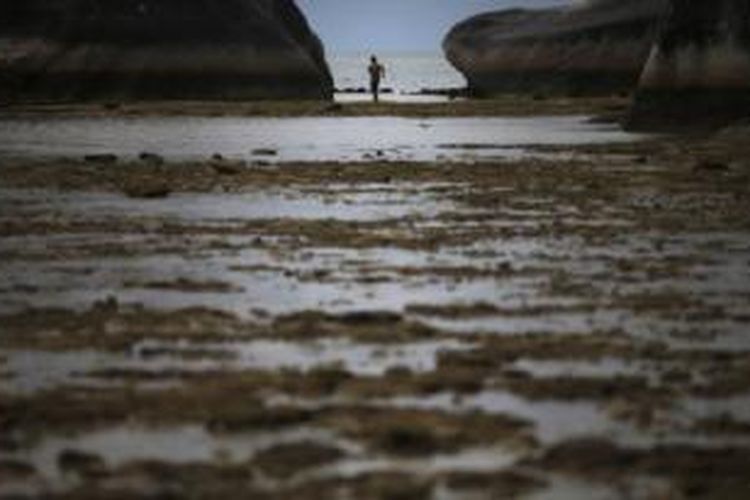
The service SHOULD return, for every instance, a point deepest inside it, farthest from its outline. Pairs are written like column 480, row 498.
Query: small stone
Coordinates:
column 106, row 158
column 151, row 158
column 264, row 152
column 147, row 189
column 80, row 462
column 109, row 304
column 710, row 166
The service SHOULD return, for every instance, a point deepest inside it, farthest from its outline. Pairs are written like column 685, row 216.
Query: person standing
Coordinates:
column 377, row 73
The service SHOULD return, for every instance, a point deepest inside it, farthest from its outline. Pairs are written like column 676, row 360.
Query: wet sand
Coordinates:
column 569, row 324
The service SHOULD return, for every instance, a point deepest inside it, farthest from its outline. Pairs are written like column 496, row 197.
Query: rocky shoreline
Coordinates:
column 569, row 322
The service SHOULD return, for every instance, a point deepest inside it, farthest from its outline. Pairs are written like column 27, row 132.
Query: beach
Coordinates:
column 210, row 300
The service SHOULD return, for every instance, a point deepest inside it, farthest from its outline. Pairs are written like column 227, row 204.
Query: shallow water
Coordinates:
column 31, row 371
column 585, row 276
column 558, row 420
column 405, row 72
column 398, row 97
column 365, row 204
column 299, row 139
column 184, row 444
column 285, row 274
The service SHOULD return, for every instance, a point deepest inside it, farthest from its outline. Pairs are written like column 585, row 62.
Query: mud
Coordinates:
column 572, row 323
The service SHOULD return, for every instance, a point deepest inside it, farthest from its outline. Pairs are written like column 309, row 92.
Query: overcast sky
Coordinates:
column 380, row 25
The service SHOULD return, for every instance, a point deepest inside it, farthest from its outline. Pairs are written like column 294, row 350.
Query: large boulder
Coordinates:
column 594, row 47
column 159, row 49
column 698, row 74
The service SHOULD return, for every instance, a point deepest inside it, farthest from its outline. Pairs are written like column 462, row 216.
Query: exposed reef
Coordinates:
column 596, row 47
column 165, row 49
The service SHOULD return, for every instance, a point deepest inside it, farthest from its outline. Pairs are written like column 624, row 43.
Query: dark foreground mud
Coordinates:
column 573, row 325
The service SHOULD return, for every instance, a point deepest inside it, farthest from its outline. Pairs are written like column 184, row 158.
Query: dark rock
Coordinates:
column 110, row 304
column 159, row 49
column 370, row 317
column 13, row 470
column 710, row 166
column 85, row 464
column 151, row 158
column 147, row 189
column 596, row 47
column 100, row 158
column 698, row 75
column 264, row 152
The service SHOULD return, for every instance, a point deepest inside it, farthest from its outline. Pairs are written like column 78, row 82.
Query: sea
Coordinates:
column 406, row 72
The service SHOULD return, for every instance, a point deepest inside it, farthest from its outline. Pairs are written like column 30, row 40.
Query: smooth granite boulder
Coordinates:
column 698, row 75
column 595, row 47
column 159, row 49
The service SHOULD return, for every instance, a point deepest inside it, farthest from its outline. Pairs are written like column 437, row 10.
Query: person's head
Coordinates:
column 373, row 59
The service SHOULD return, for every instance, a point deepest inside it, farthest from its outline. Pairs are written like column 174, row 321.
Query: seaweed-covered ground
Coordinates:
column 573, row 324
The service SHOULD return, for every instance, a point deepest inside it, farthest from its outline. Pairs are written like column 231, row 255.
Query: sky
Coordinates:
column 387, row 25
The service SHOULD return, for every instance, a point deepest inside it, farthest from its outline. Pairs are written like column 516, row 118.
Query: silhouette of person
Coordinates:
column 377, row 72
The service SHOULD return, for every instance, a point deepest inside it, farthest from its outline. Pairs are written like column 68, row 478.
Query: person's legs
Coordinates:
column 375, row 90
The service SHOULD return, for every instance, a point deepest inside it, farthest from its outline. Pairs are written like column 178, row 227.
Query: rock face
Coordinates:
column 594, row 47
column 698, row 74
column 159, row 49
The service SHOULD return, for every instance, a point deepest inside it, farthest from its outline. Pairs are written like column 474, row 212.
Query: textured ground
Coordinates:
column 543, row 328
